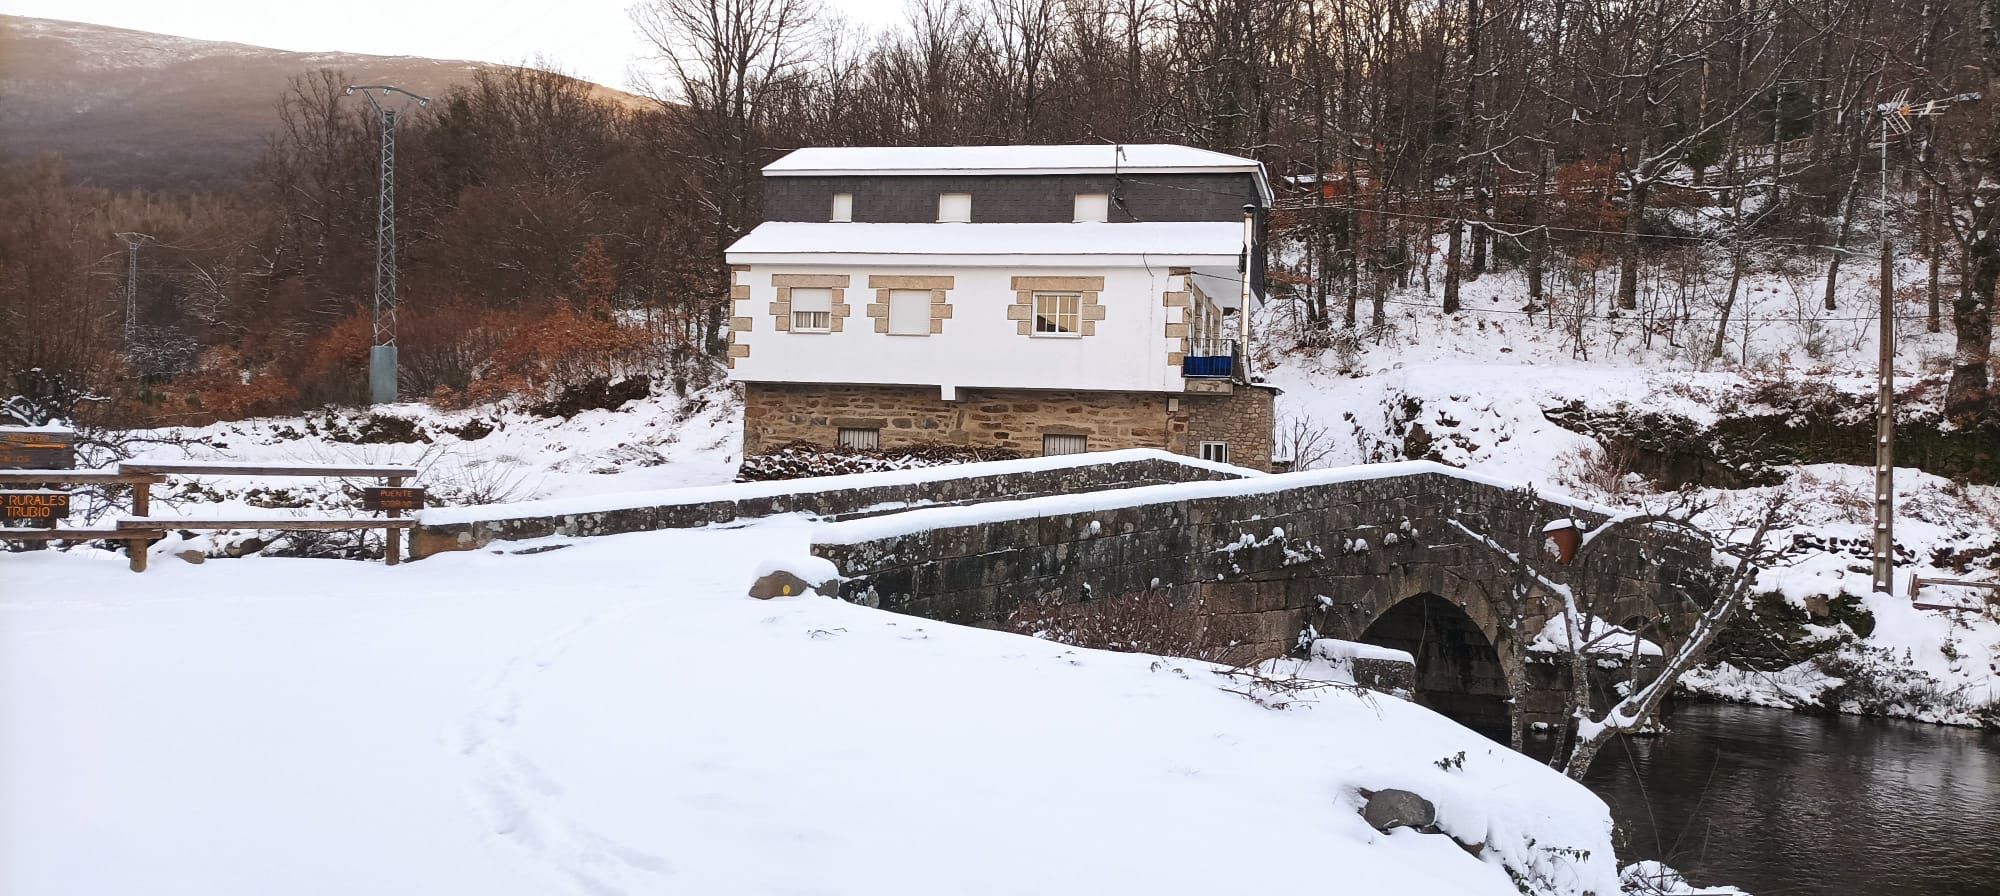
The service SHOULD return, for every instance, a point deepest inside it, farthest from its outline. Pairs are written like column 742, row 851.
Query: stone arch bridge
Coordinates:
column 1374, row 554
column 1368, row 553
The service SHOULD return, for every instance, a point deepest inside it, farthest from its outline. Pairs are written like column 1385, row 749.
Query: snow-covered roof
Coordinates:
column 1151, row 240
column 1147, row 157
column 1092, row 158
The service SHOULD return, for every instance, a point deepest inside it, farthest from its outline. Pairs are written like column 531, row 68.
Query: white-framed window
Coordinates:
column 1060, row 443
column 843, row 207
column 1215, row 451
column 857, row 438
column 1057, row 313
column 1093, row 207
column 954, row 208
column 812, row 310
column 909, row 312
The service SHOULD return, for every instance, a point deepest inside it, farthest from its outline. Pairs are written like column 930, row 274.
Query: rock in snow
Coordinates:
column 1386, row 810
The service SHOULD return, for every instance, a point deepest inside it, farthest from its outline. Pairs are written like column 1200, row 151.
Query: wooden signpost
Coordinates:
column 392, row 498
column 35, row 508
column 36, row 448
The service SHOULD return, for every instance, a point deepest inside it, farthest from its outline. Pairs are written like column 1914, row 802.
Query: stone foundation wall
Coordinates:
column 1010, row 419
column 1243, row 417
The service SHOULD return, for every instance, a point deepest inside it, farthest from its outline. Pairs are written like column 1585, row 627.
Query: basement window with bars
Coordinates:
column 855, row 438
column 1056, row 313
column 812, row 310
column 1061, row 443
column 1215, row 451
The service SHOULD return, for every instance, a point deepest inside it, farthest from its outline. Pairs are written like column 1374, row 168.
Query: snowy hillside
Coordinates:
column 134, row 109
column 617, row 717
column 1479, row 390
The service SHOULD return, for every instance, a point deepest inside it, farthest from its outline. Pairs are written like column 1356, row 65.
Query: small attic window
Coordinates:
column 843, row 207
column 1093, row 207
column 954, row 208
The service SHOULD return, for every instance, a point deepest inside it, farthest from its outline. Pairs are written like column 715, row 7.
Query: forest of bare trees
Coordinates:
column 1465, row 137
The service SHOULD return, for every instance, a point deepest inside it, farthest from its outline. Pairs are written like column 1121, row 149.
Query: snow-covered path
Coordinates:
column 615, row 717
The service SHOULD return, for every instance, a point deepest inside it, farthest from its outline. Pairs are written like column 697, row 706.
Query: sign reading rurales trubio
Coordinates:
column 38, row 507
column 38, row 448
column 392, row 498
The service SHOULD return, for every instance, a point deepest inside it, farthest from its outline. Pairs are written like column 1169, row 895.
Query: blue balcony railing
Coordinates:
column 1209, row 359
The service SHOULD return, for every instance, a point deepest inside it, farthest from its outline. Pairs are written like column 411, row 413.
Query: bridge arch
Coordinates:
column 1459, row 674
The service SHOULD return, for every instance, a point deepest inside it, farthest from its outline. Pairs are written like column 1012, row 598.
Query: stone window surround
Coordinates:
column 1089, row 312
column 1177, row 331
column 781, row 310
column 940, row 288
column 739, row 307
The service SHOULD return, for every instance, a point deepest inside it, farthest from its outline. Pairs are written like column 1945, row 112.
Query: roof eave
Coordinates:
column 960, row 259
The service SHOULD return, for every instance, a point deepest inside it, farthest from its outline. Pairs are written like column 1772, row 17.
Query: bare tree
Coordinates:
column 725, row 62
column 1536, row 600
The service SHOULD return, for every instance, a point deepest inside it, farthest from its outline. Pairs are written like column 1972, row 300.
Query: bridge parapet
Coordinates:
column 825, row 497
column 1266, row 558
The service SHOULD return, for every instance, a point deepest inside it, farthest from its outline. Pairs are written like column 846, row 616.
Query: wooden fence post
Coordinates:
column 142, row 506
column 395, row 535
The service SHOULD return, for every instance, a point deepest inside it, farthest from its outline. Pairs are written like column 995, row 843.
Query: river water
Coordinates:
column 1783, row 803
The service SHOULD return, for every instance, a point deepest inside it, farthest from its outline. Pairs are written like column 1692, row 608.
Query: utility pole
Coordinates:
column 382, row 359
column 1895, row 115
column 132, row 242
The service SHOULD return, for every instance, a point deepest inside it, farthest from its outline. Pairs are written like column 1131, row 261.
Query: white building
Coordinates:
column 1039, row 299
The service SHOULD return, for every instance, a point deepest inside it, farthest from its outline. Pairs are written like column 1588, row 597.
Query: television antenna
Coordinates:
column 1896, row 116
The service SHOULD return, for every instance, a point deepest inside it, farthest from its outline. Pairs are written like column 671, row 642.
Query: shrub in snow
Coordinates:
column 41, row 398
column 1153, row 621
column 1652, row 878
column 598, row 393
column 800, row 460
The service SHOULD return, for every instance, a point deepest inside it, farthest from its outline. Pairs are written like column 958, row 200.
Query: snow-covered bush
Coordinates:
column 799, row 460
column 1153, row 621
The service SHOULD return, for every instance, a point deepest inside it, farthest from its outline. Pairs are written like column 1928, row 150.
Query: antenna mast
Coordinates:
column 382, row 359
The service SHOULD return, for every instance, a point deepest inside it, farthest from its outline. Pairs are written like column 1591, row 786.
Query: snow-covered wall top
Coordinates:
column 892, row 525
column 743, row 491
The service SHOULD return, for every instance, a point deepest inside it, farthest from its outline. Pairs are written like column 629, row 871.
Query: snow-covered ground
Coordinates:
column 617, row 717
column 485, row 455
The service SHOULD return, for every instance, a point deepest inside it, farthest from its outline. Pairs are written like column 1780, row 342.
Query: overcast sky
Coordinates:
column 590, row 38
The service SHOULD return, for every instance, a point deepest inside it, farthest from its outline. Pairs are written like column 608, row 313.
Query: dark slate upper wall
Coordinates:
column 1012, row 198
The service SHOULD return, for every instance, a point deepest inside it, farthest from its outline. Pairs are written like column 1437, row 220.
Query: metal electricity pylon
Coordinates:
column 382, row 355
column 133, row 241
column 1895, row 115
